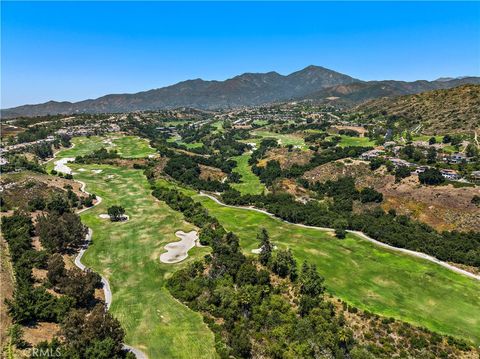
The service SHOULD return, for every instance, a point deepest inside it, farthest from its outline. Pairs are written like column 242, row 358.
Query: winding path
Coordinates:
column 106, row 285
column 358, row 233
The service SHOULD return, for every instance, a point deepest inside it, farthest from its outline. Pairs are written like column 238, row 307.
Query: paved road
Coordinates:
column 360, row 234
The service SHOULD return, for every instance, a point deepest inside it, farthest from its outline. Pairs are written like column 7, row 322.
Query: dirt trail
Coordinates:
column 360, row 234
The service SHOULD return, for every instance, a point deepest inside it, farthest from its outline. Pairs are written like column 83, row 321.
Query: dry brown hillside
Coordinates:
column 455, row 110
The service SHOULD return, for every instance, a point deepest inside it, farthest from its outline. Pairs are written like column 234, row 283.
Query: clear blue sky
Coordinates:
column 73, row 51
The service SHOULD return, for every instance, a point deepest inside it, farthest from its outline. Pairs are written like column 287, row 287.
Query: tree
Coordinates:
column 432, row 141
column 431, row 176
column 471, row 150
column 476, row 200
column 284, row 264
column 116, row 213
column 59, row 232
column 431, row 155
column 56, row 269
column 368, row 194
column 265, row 246
column 402, row 172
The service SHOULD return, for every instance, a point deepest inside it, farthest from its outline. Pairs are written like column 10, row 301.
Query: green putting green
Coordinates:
column 250, row 182
column 368, row 276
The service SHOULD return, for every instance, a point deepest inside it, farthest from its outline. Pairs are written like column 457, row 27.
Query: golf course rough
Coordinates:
column 127, row 254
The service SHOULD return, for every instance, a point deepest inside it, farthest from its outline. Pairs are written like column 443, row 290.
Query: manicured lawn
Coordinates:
column 368, row 276
column 355, row 141
column 218, row 125
column 128, row 255
column 260, row 122
column 285, row 139
column 132, row 147
column 127, row 146
column 188, row 145
column 250, row 182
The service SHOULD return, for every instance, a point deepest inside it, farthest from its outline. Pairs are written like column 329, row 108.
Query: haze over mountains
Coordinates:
column 249, row 89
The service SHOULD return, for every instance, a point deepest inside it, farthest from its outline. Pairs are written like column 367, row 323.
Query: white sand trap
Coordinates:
column 81, row 170
column 110, row 176
column 178, row 251
column 125, row 217
column 97, row 171
column 259, row 250
column 61, row 165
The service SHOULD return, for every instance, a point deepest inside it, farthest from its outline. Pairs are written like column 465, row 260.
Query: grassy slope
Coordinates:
column 250, row 182
column 371, row 277
column 128, row 255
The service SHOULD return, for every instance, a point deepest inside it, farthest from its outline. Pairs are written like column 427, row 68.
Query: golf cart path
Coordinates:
column 358, row 233
column 106, row 285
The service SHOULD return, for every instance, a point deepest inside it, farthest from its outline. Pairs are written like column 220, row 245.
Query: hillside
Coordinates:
column 360, row 92
column 439, row 111
column 249, row 89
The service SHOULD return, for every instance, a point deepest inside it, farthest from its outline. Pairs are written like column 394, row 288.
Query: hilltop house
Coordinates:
column 450, row 175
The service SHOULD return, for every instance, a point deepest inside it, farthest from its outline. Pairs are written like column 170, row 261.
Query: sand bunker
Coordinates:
column 81, row 170
column 61, row 165
column 97, row 171
column 125, row 217
column 178, row 251
column 259, row 250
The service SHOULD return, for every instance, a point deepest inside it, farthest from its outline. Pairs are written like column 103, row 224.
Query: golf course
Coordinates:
column 127, row 254
column 250, row 182
column 368, row 276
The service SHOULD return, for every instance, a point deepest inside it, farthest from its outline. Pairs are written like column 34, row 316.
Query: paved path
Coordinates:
column 361, row 235
column 106, row 285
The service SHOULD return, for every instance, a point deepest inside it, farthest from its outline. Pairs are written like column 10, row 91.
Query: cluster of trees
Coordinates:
column 88, row 331
column 43, row 150
column 431, row 176
column 18, row 162
column 348, row 132
column 186, row 170
column 98, row 156
column 250, row 313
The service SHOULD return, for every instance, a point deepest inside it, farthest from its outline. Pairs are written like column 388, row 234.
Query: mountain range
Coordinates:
column 312, row 83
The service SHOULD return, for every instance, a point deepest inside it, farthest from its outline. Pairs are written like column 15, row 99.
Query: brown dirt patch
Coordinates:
column 287, row 158
column 40, row 332
column 211, row 173
column 6, row 290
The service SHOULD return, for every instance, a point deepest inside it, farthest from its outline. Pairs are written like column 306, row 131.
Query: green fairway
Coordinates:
column 250, row 182
column 285, row 139
column 178, row 140
column 127, row 147
column 355, row 141
column 368, row 276
column 132, row 147
column 128, row 255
